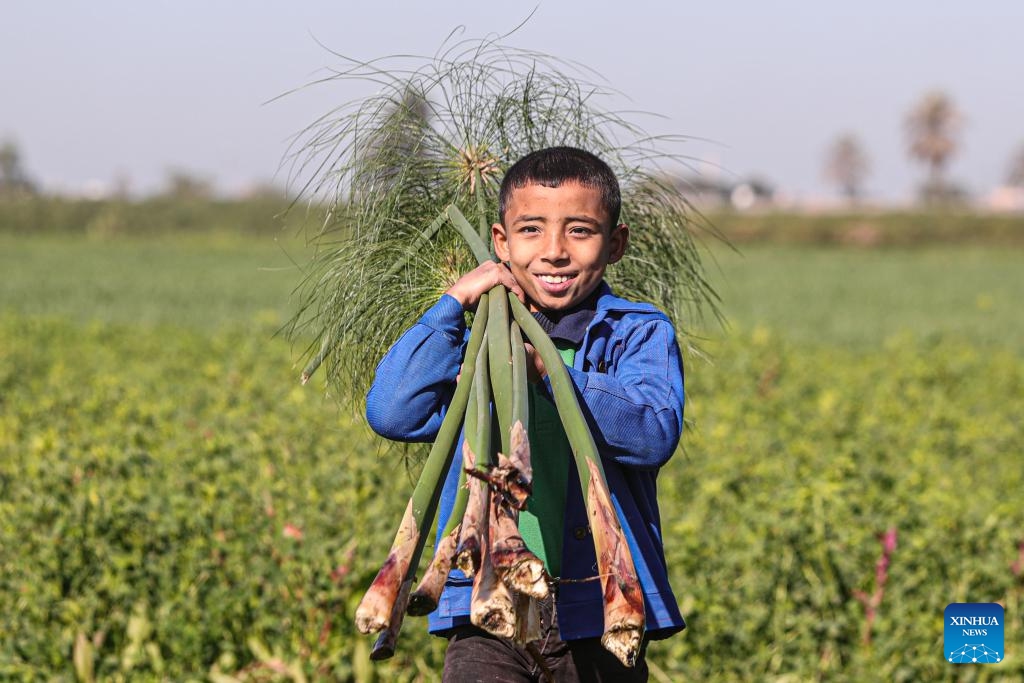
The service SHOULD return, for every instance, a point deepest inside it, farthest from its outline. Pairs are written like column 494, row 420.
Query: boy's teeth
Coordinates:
column 554, row 279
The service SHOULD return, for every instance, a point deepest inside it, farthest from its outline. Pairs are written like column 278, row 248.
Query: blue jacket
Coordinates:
column 628, row 373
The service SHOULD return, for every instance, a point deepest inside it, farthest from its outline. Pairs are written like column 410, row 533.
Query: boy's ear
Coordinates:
column 499, row 238
column 618, row 241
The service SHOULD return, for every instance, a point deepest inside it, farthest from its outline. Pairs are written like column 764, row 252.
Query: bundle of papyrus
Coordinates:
column 398, row 166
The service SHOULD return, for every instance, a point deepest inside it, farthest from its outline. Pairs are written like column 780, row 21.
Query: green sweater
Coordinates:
column 541, row 523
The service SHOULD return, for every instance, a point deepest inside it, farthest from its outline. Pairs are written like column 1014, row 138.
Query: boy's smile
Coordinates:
column 558, row 242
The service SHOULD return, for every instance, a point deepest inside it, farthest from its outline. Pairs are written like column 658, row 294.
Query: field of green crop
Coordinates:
column 174, row 506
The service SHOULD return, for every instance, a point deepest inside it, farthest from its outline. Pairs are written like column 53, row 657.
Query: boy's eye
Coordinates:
column 529, row 228
column 581, row 230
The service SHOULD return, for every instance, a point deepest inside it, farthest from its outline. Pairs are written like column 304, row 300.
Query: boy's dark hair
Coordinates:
column 553, row 166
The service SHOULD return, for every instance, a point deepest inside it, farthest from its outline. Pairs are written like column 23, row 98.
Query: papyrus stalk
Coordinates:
column 623, row 598
column 473, row 536
column 378, row 604
column 519, row 568
column 511, row 481
column 476, row 456
column 384, row 648
column 424, row 599
column 490, row 606
column 499, row 360
column 518, row 453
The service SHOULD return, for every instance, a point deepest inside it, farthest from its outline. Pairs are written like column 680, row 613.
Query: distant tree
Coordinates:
column 13, row 179
column 1015, row 176
column 932, row 127
column 186, row 185
column 263, row 189
column 846, row 164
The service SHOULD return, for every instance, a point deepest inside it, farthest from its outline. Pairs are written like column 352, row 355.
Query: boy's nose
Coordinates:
column 554, row 249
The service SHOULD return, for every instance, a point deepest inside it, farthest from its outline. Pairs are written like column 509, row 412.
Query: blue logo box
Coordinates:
column 974, row 633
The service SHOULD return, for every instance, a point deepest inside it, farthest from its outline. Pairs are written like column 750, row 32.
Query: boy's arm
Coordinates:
column 636, row 416
column 414, row 382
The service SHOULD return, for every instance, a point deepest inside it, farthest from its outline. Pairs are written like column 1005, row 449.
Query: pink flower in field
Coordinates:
column 889, row 541
column 874, row 601
column 292, row 531
column 1018, row 567
column 343, row 569
column 340, row 572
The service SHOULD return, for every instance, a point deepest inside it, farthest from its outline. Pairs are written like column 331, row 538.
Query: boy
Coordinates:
column 559, row 231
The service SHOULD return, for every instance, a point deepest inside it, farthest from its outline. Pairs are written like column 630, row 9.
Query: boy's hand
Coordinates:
column 535, row 370
column 469, row 287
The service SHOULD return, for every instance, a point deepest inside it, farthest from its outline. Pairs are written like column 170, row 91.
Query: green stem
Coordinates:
column 520, row 387
column 461, row 498
column 428, row 488
column 473, row 537
column 576, row 427
column 499, row 360
column 459, row 507
column 520, row 480
column 477, row 245
column 316, row 360
column 481, row 208
column 478, row 417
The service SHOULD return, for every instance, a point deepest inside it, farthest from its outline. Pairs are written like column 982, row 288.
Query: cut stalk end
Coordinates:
column 527, row 619
column 517, row 566
column 421, row 604
column 424, row 599
column 384, row 648
column 377, row 606
column 474, row 522
column 468, row 560
column 491, row 604
column 374, row 611
column 623, row 598
column 529, row 576
column 623, row 641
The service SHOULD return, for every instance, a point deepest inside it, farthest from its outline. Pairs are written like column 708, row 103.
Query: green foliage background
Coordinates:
column 173, row 506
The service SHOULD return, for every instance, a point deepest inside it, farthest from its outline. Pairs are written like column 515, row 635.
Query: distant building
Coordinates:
column 741, row 195
column 1006, row 199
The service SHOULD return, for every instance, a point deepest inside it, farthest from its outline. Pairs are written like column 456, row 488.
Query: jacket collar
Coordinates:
column 570, row 326
column 607, row 302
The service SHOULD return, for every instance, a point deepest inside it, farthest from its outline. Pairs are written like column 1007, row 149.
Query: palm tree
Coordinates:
column 13, row 179
column 1015, row 176
column 847, row 165
column 932, row 127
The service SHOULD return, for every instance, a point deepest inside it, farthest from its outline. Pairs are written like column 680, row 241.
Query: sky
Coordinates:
column 100, row 92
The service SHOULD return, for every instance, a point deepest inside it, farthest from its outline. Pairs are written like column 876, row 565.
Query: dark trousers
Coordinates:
column 476, row 656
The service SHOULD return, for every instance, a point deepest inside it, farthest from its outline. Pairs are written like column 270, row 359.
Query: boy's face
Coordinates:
column 558, row 242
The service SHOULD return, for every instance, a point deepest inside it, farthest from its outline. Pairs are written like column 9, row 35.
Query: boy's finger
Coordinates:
column 510, row 282
column 517, row 290
column 520, row 294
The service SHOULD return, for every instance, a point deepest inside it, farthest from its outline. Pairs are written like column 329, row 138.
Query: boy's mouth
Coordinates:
column 555, row 284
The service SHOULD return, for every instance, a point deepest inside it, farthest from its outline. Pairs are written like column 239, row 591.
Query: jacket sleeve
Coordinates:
column 635, row 410
column 415, row 380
